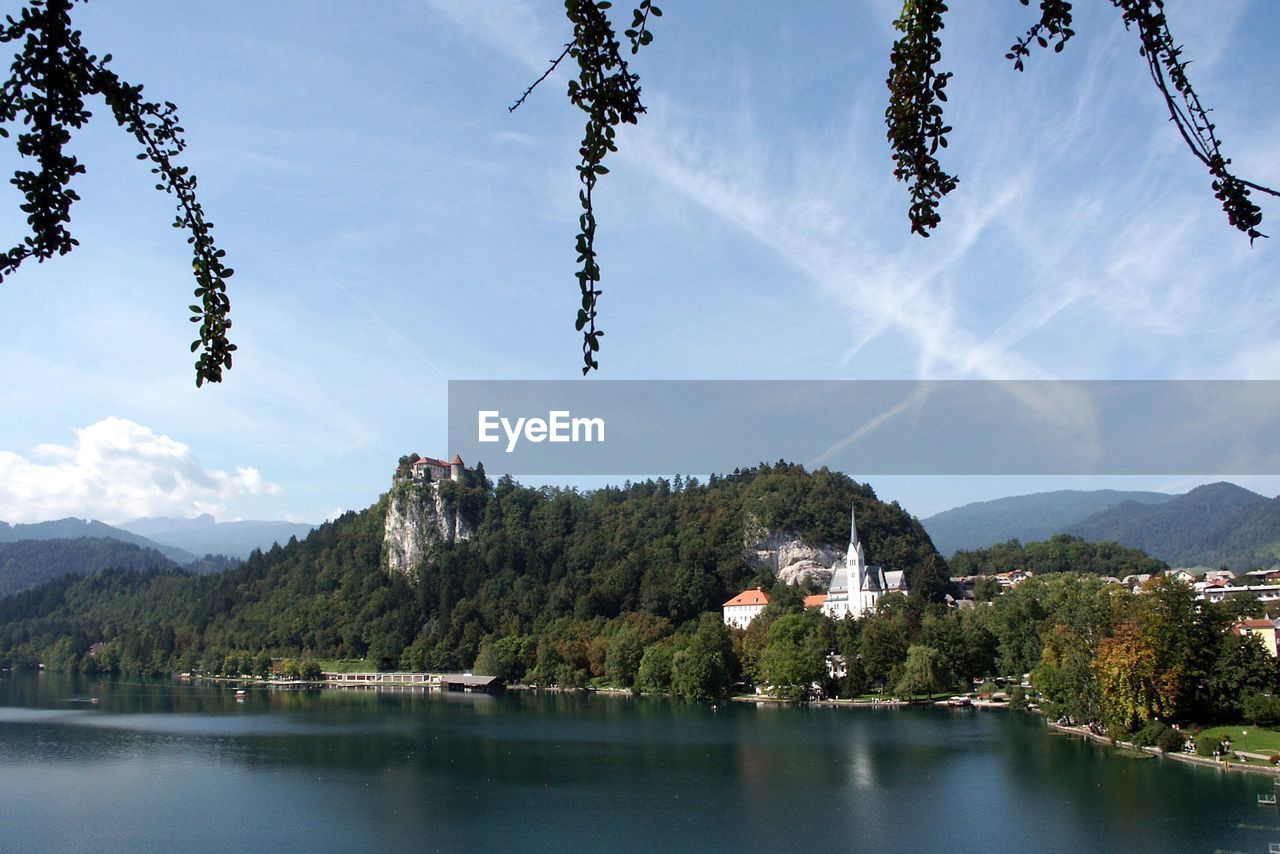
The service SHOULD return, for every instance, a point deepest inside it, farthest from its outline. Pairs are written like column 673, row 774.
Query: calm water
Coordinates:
column 171, row 767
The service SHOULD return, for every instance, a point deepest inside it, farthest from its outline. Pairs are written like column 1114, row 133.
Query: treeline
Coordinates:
column 1059, row 553
column 660, row 552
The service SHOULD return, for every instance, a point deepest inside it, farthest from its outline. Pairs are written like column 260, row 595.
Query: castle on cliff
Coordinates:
column 429, row 469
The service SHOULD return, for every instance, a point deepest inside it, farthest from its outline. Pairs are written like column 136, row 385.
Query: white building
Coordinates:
column 856, row 588
column 745, row 607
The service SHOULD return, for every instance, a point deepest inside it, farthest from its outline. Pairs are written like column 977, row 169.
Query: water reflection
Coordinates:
column 155, row 763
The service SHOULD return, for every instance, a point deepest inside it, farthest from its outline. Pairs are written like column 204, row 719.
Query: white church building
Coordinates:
column 856, row 588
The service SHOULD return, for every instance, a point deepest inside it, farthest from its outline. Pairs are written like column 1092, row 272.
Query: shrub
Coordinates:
column 1205, row 746
column 1150, row 734
column 1171, row 740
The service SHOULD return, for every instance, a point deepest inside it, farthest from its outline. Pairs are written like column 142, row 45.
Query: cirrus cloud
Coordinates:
column 117, row 470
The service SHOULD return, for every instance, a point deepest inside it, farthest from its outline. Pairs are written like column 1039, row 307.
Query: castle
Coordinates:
column 429, row 469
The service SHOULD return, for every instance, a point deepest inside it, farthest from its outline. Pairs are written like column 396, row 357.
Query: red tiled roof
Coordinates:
column 749, row 597
column 431, row 461
column 815, row 601
column 1254, row 624
column 457, row 460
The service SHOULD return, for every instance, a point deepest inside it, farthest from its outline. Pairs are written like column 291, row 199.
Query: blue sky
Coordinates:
column 392, row 227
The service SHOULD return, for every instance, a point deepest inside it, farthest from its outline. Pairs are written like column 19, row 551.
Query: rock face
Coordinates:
column 791, row 560
column 418, row 518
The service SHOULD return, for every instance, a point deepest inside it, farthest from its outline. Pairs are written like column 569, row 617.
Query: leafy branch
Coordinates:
column 50, row 78
column 914, row 116
column 609, row 93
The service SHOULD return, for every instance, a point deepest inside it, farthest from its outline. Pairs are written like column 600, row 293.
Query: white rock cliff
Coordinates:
column 418, row 518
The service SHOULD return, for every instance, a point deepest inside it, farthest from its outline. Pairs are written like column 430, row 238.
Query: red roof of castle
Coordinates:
column 457, row 460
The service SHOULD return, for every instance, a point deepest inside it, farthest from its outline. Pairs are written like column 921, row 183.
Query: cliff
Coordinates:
column 787, row 556
column 418, row 517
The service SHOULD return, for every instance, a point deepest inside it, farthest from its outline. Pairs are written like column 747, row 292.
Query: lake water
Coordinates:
column 164, row 766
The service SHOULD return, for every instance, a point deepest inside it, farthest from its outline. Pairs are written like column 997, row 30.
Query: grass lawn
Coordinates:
column 1259, row 740
column 346, row 665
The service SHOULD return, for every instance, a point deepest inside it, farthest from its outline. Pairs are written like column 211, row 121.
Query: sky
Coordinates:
column 393, row 227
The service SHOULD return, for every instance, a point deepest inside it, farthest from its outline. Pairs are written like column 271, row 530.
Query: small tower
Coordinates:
column 455, row 467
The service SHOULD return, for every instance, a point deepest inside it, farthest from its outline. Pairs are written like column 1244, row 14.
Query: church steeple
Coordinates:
column 855, row 561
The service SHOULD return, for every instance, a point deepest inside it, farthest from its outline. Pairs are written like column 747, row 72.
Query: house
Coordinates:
column 815, row 601
column 1012, row 578
column 431, row 470
column 857, row 588
column 1264, row 629
column 745, row 607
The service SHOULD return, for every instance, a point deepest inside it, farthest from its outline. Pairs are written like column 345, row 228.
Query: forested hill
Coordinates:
column 540, row 561
column 1060, row 553
column 27, row 563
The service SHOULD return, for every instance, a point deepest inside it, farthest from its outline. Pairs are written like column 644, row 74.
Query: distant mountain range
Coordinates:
column 1212, row 525
column 1024, row 517
column 202, row 535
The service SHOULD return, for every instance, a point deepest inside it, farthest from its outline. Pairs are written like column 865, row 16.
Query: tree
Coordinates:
column 791, row 661
column 623, row 656
column 923, row 672
column 1243, row 667
column 1133, row 688
column 700, row 671
column 884, row 643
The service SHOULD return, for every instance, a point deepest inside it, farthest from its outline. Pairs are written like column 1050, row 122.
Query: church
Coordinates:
column 856, row 588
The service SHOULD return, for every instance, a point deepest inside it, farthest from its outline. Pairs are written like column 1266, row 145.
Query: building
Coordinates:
column 429, row 469
column 745, row 607
column 1264, row 629
column 856, row 588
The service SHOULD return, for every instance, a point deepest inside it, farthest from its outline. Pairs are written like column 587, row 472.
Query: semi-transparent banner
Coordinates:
column 873, row 427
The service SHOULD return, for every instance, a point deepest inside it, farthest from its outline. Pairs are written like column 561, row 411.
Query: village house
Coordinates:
column 1262, row 628
column 745, row 607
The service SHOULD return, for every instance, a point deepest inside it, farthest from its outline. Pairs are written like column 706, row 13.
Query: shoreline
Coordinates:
column 1203, row 761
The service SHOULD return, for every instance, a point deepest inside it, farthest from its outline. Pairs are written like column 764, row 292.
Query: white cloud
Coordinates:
column 118, row 470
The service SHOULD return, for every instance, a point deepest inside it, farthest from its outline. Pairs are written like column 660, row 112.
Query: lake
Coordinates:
column 166, row 766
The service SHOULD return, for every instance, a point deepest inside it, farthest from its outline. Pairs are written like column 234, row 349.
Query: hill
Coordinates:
column 1218, row 523
column 73, row 529
column 548, row 572
column 203, row 535
column 1025, row 517
column 1059, row 553
column 28, row 563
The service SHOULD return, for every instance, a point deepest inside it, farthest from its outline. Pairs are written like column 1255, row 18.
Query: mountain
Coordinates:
column 1025, row 517
column 203, row 535
column 72, row 528
column 1218, row 523
column 28, row 563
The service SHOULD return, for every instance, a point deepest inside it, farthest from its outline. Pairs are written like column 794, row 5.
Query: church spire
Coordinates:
column 853, row 524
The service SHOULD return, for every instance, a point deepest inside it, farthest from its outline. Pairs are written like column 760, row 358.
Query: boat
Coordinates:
column 959, row 701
